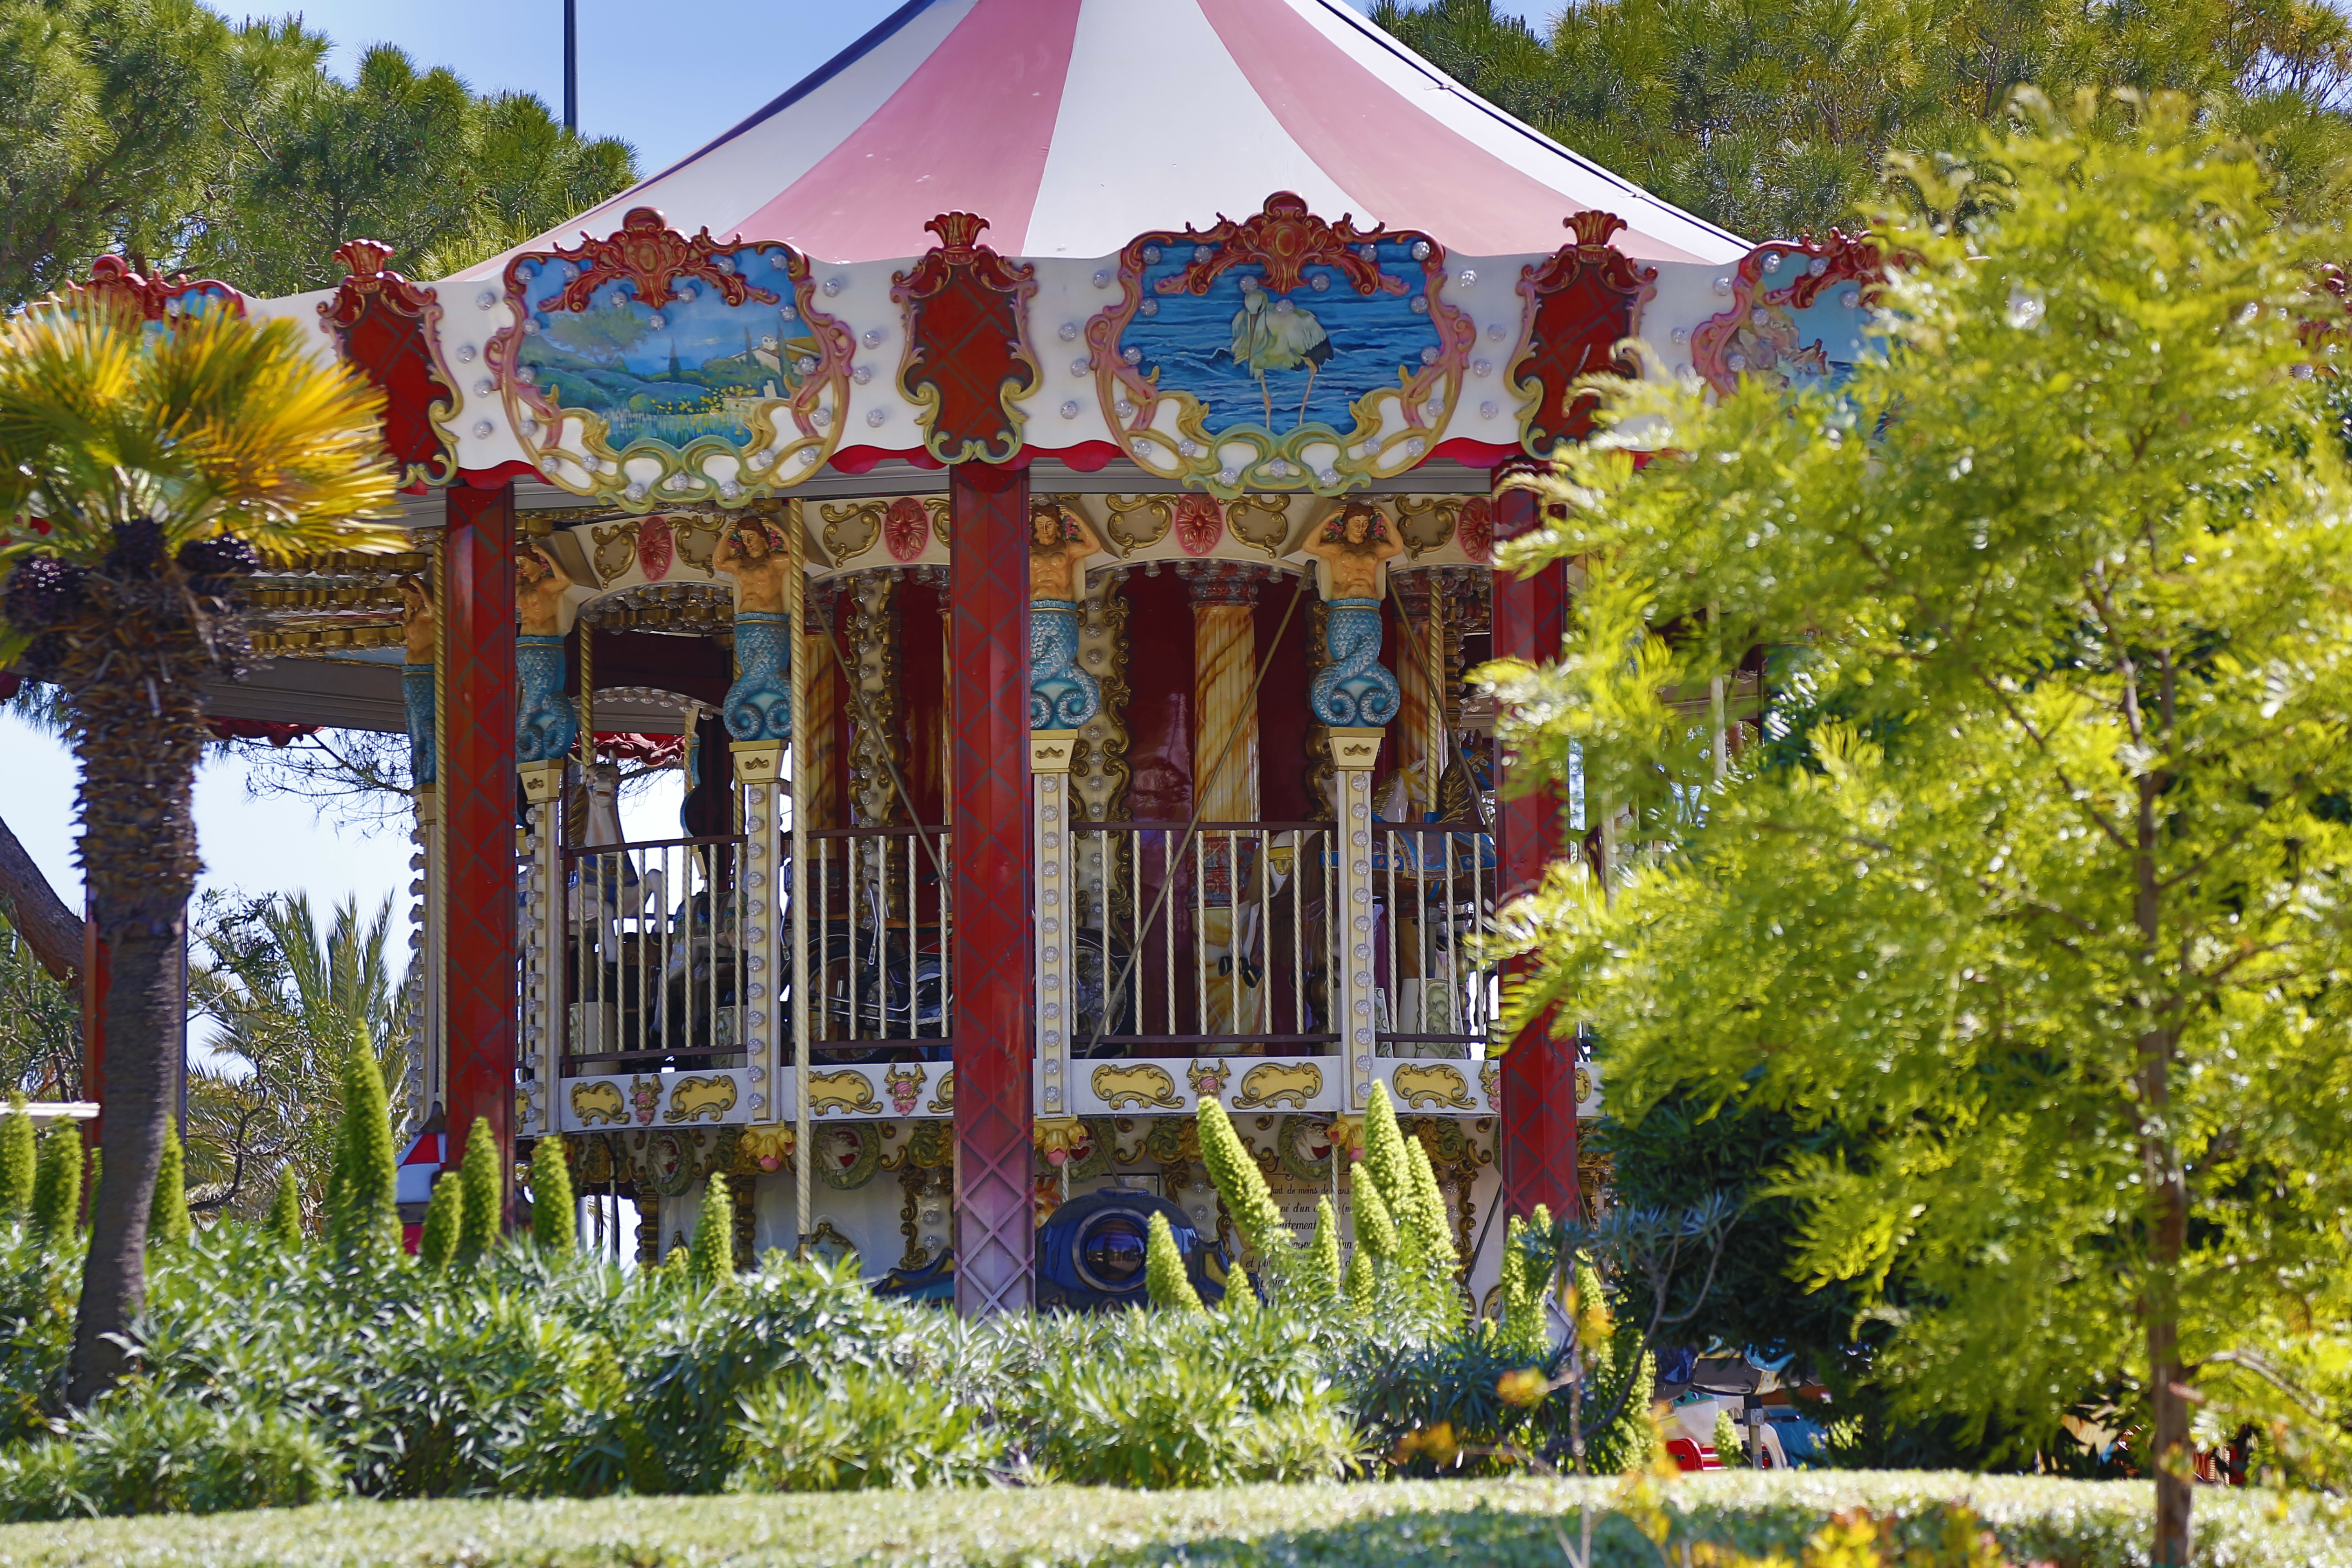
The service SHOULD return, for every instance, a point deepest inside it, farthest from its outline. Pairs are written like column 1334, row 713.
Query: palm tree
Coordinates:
column 286, row 1000
column 144, row 471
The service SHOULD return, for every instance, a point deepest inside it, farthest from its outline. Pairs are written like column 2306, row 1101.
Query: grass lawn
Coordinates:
column 2070, row 1523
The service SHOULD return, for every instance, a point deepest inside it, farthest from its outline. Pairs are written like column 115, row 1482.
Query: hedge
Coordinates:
column 2069, row 1524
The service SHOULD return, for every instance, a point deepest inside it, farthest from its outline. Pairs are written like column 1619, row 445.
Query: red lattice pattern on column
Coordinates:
column 1538, row 1120
column 477, row 806
column 987, row 613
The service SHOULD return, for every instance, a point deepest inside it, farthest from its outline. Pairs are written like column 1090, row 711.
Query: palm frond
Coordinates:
column 217, row 424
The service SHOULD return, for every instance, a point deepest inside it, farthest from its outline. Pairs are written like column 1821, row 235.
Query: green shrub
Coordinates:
column 1150, row 1399
column 140, row 1451
column 857, row 1428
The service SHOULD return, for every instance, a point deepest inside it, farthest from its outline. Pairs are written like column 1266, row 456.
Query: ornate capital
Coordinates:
column 1223, row 581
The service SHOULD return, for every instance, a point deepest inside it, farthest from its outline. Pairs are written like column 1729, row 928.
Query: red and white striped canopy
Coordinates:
column 1074, row 125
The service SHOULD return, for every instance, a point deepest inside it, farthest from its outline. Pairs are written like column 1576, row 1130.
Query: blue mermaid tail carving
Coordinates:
column 416, row 694
column 1061, row 695
column 759, row 706
column 1354, row 691
column 545, row 724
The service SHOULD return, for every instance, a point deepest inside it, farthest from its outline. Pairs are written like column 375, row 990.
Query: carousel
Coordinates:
column 1038, row 480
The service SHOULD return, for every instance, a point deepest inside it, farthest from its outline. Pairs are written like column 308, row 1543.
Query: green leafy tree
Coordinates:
column 2047, row 913
column 19, row 1158
column 57, row 1180
column 285, row 994
column 710, row 1256
column 482, row 1196
column 1773, row 117
column 555, row 1224
column 363, row 1205
column 285, row 1210
column 1164, row 1270
column 168, row 1220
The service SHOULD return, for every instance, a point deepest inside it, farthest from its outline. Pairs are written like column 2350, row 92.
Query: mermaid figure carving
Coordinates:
column 759, row 706
column 1061, row 695
column 545, row 724
column 1354, row 690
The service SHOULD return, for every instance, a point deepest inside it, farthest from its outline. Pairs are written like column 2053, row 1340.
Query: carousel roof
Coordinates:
column 1073, row 125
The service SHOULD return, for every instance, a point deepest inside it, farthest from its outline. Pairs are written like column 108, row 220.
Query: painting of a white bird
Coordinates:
column 1272, row 334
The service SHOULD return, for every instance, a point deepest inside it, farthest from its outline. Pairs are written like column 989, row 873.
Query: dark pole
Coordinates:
column 572, row 65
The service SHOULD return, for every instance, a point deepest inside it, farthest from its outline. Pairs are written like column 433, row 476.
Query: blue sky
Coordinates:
column 662, row 80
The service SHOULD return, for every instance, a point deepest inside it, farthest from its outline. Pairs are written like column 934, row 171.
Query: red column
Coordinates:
column 987, row 613
column 1538, row 1079
column 478, row 808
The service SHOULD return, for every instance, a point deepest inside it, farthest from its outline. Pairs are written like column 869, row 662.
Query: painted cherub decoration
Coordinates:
column 1354, row 690
column 1061, row 695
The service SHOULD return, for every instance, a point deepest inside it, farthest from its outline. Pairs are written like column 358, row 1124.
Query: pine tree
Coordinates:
column 444, row 1217
column 57, row 1180
column 362, row 1195
column 1243, row 1187
column 1164, row 1270
column 168, row 1220
column 480, row 1190
column 711, row 1259
column 20, row 1156
column 285, row 1210
column 553, row 1223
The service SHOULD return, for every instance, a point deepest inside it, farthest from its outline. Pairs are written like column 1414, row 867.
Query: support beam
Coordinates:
column 1539, row 1078
column 987, row 596
column 476, row 791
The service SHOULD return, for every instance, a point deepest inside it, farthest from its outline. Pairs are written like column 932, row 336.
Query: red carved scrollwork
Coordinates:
column 154, row 298
column 968, row 355
column 1754, row 337
column 1581, row 303
column 388, row 329
column 651, row 257
column 1285, row 239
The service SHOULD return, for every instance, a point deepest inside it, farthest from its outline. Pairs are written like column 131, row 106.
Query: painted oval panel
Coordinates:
column 906, row 529
column 655, row 551
column 1199, row 522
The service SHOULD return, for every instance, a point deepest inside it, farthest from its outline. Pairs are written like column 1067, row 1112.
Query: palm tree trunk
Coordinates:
column 138, row 740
